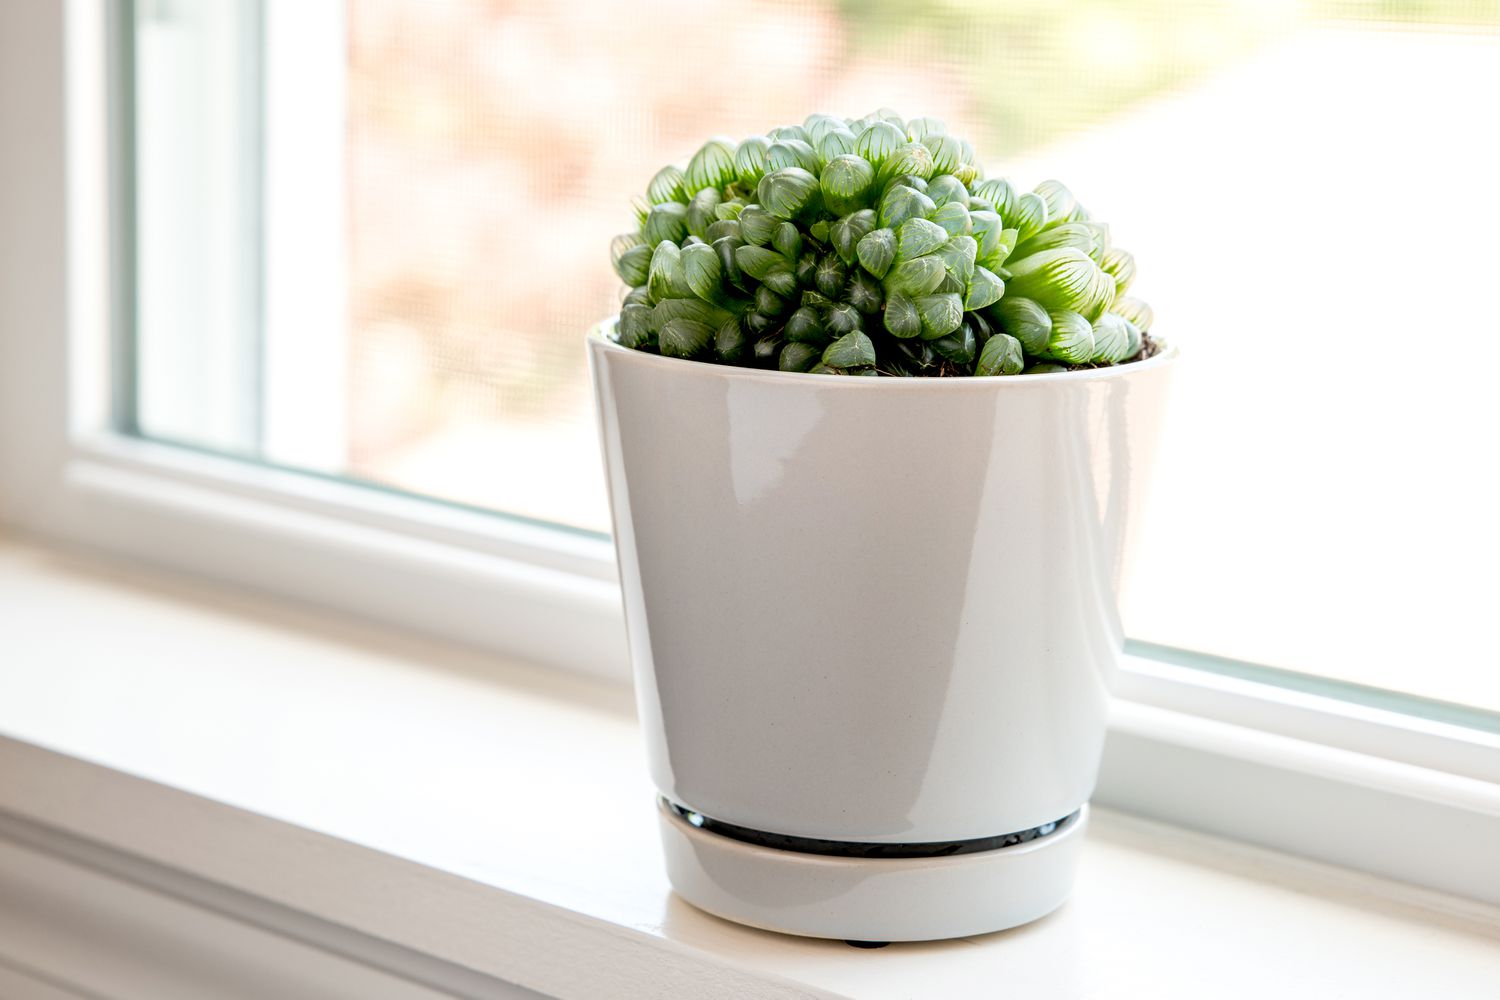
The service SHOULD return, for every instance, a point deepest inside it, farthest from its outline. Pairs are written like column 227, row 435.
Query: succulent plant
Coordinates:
column 871, row 246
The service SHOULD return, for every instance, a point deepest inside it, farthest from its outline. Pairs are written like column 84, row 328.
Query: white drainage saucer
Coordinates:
column 871, row 899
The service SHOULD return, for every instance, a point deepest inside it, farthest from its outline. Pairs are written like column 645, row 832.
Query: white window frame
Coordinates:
column 1393, row 794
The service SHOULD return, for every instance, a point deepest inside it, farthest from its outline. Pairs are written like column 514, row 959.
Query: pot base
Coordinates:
column 871, row 899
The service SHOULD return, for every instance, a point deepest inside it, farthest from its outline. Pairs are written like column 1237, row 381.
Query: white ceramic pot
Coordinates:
column 873, row 611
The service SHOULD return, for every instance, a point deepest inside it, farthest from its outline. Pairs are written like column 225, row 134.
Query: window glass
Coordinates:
column 370, row 239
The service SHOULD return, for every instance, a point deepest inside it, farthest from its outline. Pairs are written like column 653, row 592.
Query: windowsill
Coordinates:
column 498, row 818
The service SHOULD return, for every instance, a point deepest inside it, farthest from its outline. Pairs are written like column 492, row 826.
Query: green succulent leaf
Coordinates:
column 987, row 230
column 918, row 276
column 729, row 265
column 1002, row 355
column 750, row 160
column 998, row 192
column 621, row 243
column 836, row 143
column 1111, row 339
column 667, row 185
column 797, row 357
column 968, row 169
column 877, row 142
column 634, row 328
column 702, row 212
column 1063, row 279
column 920, row 128
column 757, row 225
column 688, row 308
column 1061, row 205
column 1029, row 216
column 781, row 280
column 766, row 349
column 852, row 350
column 787, row 239
column 662, row 274
column 1044, row 368
column 768, row 303
column 983, row 328
column 912, row 159
column 959, row 256
column 633, row 265
column 877, row 251
column 1071, row 340
column 846, row 233
column 757, row 261
column 902, row 318
column 959, row 346
column 864, row 292
column 785, row 193
column 1120, row 265
column 1025, row 320
column 916, row 237
column 712, row 166
column 846, row 183
column 1003, row 250
column 830, row 276
column 1135, row 310
column 817, row 125
column 941, row 314
column 666, row 221
column 683, row 338
column 642, row 208
column 954, row 218
column 807, row 326
column 947, row 152
column 946, row 189
column 785, row 153
column 702, row 272
column 722, row 228
column 730, row 342
column 1082, row 236
column 985, row 289
column 844, row 318
column 901, row 202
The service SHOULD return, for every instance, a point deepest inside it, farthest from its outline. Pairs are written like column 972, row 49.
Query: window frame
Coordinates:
column 1295, row 771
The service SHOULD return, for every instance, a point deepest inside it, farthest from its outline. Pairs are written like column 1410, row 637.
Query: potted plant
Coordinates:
column 875, row 428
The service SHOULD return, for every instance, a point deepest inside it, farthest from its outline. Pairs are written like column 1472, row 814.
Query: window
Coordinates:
column 1313, row 636
column 368, row 240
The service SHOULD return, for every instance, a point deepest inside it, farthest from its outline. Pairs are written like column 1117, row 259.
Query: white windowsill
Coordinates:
column 498, row 819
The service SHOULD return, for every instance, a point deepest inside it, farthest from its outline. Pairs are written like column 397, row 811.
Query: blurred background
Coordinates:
column 369, row 239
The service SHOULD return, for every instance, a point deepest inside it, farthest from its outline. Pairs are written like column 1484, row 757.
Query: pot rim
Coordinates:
column 598, row 339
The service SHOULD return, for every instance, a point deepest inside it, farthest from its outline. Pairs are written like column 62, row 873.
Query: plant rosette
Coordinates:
column 873, row 621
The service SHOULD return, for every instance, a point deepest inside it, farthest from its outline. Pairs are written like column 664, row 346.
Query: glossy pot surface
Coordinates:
column 873, row 609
